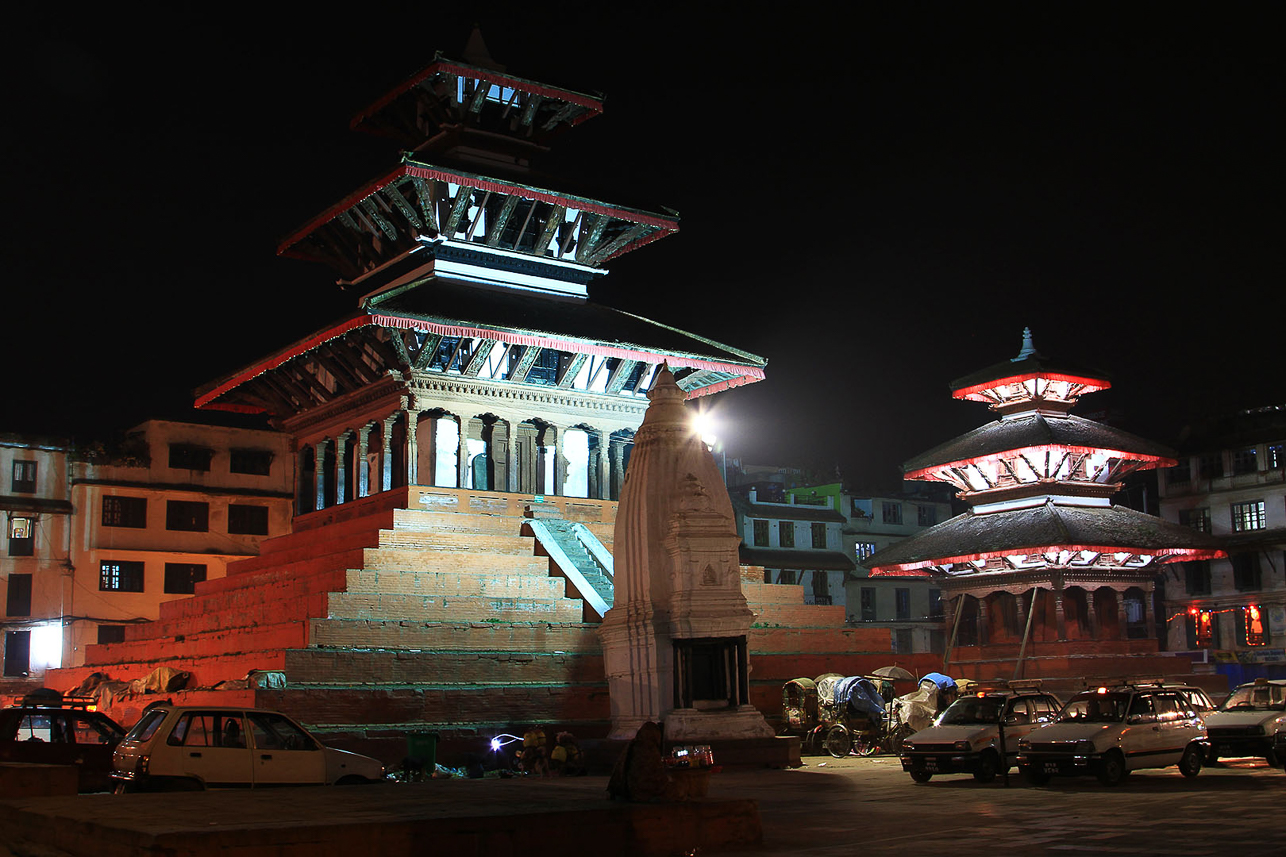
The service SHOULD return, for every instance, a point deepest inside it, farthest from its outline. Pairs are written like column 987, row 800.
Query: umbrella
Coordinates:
column 894, row 673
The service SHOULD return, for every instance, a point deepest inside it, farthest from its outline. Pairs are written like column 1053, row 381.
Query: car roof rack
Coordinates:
column 1025, row 684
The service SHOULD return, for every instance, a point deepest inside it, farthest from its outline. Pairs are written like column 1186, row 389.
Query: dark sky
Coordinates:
column 877, row 202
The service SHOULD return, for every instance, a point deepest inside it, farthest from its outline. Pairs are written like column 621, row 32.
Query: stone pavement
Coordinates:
column 828, row 808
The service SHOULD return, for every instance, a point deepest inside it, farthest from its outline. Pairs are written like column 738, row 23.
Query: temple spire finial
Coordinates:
column 1028, row 348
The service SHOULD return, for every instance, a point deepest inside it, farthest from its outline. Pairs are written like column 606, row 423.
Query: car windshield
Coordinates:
column 972, row 709
column 1252, row 697
column 146, row 727
column 1096, row 708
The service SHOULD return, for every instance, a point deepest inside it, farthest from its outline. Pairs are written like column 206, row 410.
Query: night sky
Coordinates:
column 876, row 202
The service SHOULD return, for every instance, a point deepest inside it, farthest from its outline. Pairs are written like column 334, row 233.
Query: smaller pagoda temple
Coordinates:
column 1043, row 571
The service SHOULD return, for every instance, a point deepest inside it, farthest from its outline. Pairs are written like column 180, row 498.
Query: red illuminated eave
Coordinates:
column 589, row 102
column 975, row 392
column 1146, row 462
column 665, row 225
column 913, row 569
column 742, row 374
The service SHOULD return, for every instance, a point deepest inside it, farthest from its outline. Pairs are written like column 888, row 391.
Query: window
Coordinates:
column 761, row 533
column 819, row 536
column 1197, row 519
column 125, row 512
column 903, row 599
column 1198, row 575
column 187, row 515
column 208, row 729
column 24, row 477
column 864, row 549
column 17, row 653
column 926, row 516
column 935, row 605
column 182, row 577
column 256, row 462
column 1248, row 516
column 902, row 638
column 868, row 604
column 1201, row 629
column 1251, row 626
column 111, row 634
column 1210, row 465
column 19, row 600
column 892, row 513
column 186, row 456
column 1244, row 461
column 248, row 520
column 786, row 534
column 22, row 536
column 1245, row 572
column 1181, row 473
column 1276, row 456
column 120, row 576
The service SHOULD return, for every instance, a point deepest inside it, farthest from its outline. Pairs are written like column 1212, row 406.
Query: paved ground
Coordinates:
column 830, row 807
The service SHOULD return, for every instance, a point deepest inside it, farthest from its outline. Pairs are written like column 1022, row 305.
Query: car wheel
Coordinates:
column 1035, row 777
column 921, row 776
column 988, row 767
column 1190, row 764
column 1112, row 769
column 124, row 789
column 1273, row 760
column 838, row 742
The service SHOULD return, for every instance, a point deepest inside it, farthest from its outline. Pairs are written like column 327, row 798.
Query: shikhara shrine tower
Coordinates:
column 475, row 358
column 1043, row 572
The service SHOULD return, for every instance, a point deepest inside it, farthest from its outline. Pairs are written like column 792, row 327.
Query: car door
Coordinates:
column 211, row 748
column 283, row 753
column 1177, row 724
column 1143, row 741
column 95, row 741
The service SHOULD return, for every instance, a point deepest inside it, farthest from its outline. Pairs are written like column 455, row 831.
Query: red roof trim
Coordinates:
column 1182, row 554
column 1092, row 385
column 479, row 183
column 1151, row 460
column 746, row 374
column 433, row 68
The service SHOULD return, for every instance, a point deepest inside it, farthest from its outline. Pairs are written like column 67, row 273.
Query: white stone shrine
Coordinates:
column 675, row 642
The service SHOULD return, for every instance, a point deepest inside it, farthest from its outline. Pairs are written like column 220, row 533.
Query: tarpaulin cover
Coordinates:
column 861, row 695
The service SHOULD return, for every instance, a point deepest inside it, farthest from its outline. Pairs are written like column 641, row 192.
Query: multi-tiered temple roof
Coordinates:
column 1039, row 482
column 469, row 263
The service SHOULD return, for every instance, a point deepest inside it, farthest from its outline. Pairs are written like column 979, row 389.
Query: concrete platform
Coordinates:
column 498, row 818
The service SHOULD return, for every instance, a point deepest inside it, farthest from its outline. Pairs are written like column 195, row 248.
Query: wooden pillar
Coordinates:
column 319, row 470
column 305, row 493
column 341, row 466
column 386, row 454
column 1121, row 620
column 464, row 476
column 360, row 462
column 1149, row 615
column 604, row 467
column 412, row 447
column 618, row 468
column 1059, row 617
column 1091, row 613
column 983, row 637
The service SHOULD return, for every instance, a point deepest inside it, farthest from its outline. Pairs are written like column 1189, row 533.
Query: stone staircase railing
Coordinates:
column 580, row 556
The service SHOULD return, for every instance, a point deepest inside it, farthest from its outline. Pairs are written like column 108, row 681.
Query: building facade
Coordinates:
column 113, row 532
column 1230, row 481
column 910, row 607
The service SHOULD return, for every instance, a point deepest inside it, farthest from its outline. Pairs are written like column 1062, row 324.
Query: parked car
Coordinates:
column 1251, row 722
column 196, row 747
column 968, row 736
column 59, row 731
column 1110, row 732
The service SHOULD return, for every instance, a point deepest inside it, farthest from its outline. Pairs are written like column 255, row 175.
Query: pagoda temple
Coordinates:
column 1043, row 574
column 475, row 357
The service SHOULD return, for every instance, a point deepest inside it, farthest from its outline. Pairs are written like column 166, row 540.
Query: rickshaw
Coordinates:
column 852, row 713
column 799, row 713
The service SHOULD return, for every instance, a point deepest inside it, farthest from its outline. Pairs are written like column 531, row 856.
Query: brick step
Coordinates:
column 367, row 524
column 798, row 615
column 398, row 559
column 454, row 583
column 412, row 520
column 331, row 667
column 261, row 638
column 240, row 613
column 511, row 543
column 266, row 591
column 205, row 672
column 456, row 636
column 771, row 593
column 482, row 706
column 324, row 553
column 433, row 608
column 839, row 640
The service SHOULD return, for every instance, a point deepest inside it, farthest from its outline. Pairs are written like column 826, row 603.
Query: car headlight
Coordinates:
column 963, row 746
column 1024, row 744
column 1258, row 730
column 908, row 746
column 1085, row 747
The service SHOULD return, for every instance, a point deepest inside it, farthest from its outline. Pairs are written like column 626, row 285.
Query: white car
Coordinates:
column 1251, row 722
column 199, row 747
column 1110, row 732
column 967, row 737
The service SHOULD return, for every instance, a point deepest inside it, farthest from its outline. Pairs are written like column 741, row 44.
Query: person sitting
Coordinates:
column 232, row 735
column 532, row 759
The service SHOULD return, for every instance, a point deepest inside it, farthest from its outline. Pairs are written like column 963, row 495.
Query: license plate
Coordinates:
column 1051, row 767
column 931, row 765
